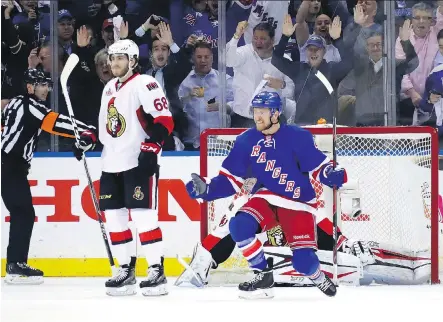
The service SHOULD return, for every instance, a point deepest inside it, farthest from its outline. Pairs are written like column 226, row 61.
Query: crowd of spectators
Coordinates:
column 270, row 45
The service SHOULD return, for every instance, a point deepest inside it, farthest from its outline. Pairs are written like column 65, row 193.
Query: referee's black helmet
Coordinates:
column 35, row 77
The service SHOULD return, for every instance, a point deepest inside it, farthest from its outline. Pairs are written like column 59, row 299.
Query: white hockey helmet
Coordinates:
column 124, row 46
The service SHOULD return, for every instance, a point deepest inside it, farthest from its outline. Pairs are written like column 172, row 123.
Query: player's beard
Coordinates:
column 120, row 72
column 263, row 125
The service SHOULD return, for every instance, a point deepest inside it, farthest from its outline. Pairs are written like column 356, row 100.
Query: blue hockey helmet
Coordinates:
column 269, row 100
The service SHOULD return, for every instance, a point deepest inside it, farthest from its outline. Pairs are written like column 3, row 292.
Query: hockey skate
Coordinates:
column 261, row 286
column 155, row 284
column 325, row 285
column 22, row 273
column 196, row 273
column 123, row 283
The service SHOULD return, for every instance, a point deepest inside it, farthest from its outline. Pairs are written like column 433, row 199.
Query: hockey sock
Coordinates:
column 220, row 248
column 210, row 241
column 318, row 277
column 223, row 249
column 252, row 250
column 243, row 228
column 122, row 243
column 305, row 261
column 149, row 233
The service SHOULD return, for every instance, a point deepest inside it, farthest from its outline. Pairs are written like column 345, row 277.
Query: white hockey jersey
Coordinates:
column 272, row 12
column 125, row 114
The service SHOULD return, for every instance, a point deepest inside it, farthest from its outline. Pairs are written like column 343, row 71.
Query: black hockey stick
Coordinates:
column 328, row 86
column 67, row 70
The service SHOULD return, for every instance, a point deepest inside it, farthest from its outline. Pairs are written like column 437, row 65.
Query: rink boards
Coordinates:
column 67, row 240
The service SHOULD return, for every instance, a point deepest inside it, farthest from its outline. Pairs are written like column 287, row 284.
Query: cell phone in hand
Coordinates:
column 155, row 21
column 211, row 101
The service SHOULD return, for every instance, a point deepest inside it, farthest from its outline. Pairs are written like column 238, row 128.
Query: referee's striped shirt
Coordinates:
column 23, row 120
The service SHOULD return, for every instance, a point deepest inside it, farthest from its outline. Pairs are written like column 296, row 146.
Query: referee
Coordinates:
column 23, row 119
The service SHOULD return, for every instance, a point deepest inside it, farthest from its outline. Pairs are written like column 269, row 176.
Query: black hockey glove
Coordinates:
column 147, row 159
column 86, row 143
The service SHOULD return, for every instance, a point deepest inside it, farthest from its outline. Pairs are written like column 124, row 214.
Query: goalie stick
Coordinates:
column 67, row 70
column 329, row 88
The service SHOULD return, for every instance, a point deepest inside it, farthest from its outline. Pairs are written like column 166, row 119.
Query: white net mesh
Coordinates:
column 393, row 171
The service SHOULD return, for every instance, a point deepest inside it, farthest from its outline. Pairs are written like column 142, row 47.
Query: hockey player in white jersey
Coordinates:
column 134, row 121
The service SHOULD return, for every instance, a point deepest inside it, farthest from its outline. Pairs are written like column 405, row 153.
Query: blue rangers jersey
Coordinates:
column 283, row 163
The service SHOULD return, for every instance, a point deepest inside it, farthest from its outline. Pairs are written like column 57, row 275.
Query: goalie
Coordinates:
column 360, row 262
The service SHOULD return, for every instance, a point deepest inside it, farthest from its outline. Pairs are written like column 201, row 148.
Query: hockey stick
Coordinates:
column 67, row 70
column 329, row 88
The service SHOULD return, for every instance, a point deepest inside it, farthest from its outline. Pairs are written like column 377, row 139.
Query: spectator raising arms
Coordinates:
column 364, row 85
column 170, row 72
column 252, row 64
column 357, row 31
column 312, row 98
column 424, row 41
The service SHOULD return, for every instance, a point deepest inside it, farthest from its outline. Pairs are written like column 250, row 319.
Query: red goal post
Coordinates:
column 368, row 152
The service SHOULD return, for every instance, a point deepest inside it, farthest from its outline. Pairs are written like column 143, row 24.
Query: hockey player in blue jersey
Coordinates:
column 283, row 158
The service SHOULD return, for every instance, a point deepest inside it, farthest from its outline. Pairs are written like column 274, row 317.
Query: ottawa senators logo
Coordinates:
column 138, row 194
column 276, row 237
column 116, row 123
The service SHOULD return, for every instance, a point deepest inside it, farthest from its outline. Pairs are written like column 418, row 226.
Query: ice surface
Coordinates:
column 84, row 300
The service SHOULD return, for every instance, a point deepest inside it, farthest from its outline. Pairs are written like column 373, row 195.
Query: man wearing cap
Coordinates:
column 312, row 98
column 108, row 32
column 65, row 30
column 321, row 28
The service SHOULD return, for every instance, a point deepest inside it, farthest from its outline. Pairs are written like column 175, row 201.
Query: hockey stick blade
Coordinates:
column 69, row 67
column 66, row 72
column 187, row 267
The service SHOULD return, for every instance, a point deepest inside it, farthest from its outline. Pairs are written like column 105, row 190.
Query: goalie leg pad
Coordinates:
column 196, row 273
column 397, row 266
column 350, row 269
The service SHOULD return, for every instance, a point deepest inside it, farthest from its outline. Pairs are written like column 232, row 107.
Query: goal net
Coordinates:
column 397, row 173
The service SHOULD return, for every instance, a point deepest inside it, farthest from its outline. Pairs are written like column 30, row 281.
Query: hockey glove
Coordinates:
column 332, row 177
column 148, row 157
column 197, row 187
column 87, row 142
